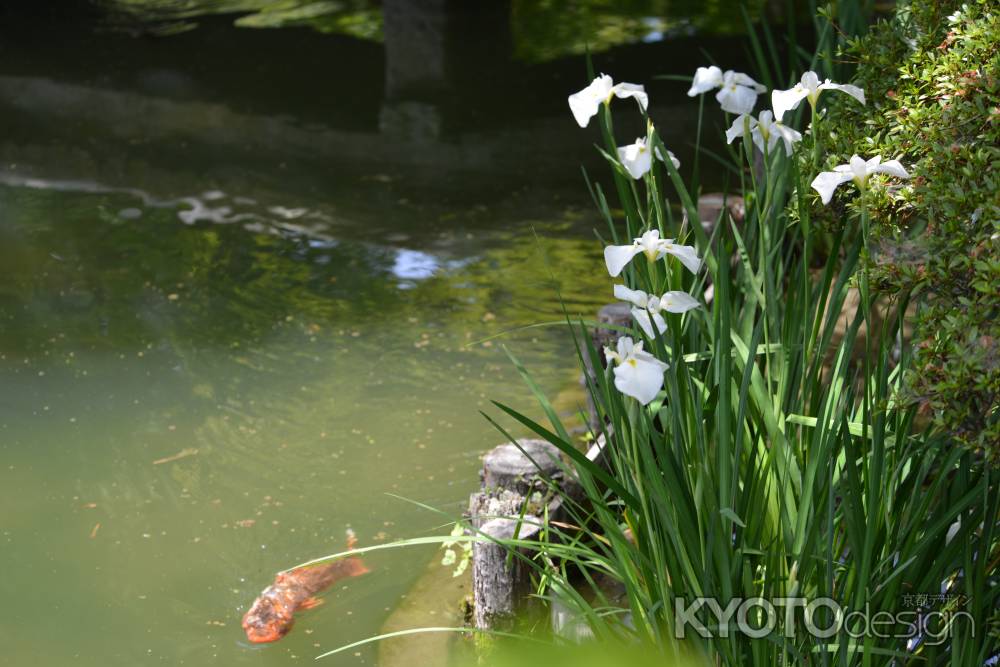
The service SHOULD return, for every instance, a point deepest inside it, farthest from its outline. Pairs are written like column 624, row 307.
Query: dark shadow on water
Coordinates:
column 441, row 104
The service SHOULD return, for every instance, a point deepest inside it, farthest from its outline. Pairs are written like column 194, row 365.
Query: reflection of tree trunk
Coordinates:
column 414, row 47
column 433, row 50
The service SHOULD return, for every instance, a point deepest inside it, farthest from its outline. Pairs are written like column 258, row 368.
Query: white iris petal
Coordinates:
column 651, row 245
column 893, row 168
column 586, row 103
column 618, row 256
column 738, row 92
column 771, row 131
column 677, row 302
column 670, row 154
column 635, row 297
column 623, row 90
column 787, row 135
column 637, row 160
column 645, row 320
column 739, row 127
column 828, row 181
column 687, row 255
column 786, row 100
column 705, row 79
column 737, row 99
column 637, row 373
column 857, row 170
column 647, row 309
column 809, row 87
column 765, row 131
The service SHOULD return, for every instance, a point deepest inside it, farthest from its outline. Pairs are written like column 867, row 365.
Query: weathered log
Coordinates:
column 515, row 496
column 710, row 207
column 498, row 587
column 520, row 467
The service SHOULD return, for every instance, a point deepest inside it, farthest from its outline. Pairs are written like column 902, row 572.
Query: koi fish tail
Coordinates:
column 355, row 566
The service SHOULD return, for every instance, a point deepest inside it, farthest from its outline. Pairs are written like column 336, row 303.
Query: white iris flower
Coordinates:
column 738, row 92
column 858, row 171
column 809, row 88
column 650, row 244
column 647, row 308
column 637, row 373
column 586, row 103
column 764, row 130
column 637, row 160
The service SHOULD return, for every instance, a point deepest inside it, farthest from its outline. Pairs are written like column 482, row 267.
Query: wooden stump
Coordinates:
column 498, row 588
column 512, row 478
column 710, row 206
column 522, row 468
column 517, row 493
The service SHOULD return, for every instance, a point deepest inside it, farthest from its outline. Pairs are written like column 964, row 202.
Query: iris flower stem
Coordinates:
column 815, row 125
column 811, row 331
column 697, row 147
column 864, row 269
column 624, row 194
column 767, row 239
column 866, row 306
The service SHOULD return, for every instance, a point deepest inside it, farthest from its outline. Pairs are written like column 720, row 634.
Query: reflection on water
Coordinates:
column 540, row 30
column 247, row 280
column 357, row 18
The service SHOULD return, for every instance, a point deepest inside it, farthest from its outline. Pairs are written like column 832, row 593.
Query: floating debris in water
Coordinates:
column 184, row 453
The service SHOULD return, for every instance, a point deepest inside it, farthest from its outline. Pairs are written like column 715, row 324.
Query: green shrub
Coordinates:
column 932, row 75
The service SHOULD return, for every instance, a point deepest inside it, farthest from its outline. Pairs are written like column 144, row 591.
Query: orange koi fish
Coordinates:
column 271, row 615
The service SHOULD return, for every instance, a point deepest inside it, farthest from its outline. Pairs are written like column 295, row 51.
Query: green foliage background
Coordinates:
column 932, row 76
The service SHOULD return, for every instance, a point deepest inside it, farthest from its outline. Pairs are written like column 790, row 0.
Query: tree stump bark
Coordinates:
column 498, row 587
column 521, row 469
column 710, row 206
column 511, row 478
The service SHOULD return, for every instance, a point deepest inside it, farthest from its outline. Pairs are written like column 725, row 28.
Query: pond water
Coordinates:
column 247, row 278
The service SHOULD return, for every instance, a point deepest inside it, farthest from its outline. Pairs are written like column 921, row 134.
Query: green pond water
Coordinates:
column 311, row 380
column 237, row 317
